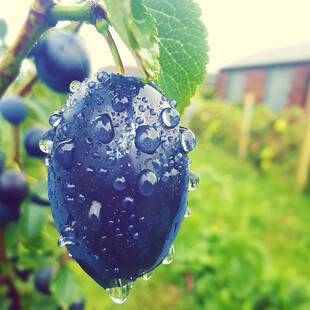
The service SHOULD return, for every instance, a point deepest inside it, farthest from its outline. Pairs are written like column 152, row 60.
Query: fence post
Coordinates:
column 249, row 101
column 304, row 151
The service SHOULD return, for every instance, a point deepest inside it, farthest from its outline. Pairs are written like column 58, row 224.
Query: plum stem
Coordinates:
column 102, row 27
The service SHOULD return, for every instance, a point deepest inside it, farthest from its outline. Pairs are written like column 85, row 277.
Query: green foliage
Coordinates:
column 137, row 29
column 183, row 47
column 274, row 138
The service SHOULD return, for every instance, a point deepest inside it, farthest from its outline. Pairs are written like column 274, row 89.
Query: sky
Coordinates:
column 237, row 28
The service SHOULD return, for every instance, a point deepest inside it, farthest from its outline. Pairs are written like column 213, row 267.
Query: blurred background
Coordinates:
column 246, row 244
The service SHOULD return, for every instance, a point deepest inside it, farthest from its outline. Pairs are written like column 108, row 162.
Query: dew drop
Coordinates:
column 103, row 77
column 55, row 119
column 74, row 85
column 188, row 140
column 101, row 173
column 147, row 276
column 128, row 203
column 170, row 117
column 68, row 235
column 170, row 255
column 102, row 128
column 47, row 160
column 91, row 84
column 94, row 216
column 173, row 103
column 81, row 198
column 111, row 160
column 142, row 108
column 119, row 105
column 64, row 153
column 88, row 143
column 193, row 181
column 119, row 183
column 46, row 143
column 120, row 292
column 187, row 212
column 146, row 182
column 69, row 188
column 147, row 139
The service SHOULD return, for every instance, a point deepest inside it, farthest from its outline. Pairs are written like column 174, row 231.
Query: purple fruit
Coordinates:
column 13, row 187
column 118, row 178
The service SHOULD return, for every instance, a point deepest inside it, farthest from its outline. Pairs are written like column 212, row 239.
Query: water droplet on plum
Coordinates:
column 102, row 128
column 147, row 139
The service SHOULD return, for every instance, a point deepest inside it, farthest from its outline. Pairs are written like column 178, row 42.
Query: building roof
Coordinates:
column 289, row 54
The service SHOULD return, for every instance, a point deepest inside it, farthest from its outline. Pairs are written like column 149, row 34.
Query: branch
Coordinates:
column 43, row 15
column 35, row 25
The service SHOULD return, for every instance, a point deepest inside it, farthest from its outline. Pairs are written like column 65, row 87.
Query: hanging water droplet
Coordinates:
column 119, row 183
column 188, row 140
column 170, row 255
column 170, row 117
column 102, row 128
column 47, row 160
column 55, row 119
column 64, row 153
column 146, row 182
column 120, row 293
column 187, row 212
column 68, row 235
column 147, row 276
column 46, row 143
column 147, row 139
column 74, row 85
column 193, row 181
column 94, row 216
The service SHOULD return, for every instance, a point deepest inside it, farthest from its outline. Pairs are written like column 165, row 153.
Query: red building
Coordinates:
column 278, row 78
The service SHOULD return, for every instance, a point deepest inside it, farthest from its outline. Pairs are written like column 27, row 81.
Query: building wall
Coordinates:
column 255, row 83
column 300, row 80
column 221, row 84
column 284, row 85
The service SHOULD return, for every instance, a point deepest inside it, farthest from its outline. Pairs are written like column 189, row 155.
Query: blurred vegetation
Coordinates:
column 246, row 245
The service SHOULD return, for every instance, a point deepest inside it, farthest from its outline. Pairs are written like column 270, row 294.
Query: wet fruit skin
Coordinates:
column 13, row 109
column 61, row 58
column 118, row 176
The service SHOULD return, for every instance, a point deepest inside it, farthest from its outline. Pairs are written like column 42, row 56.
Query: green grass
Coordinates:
column 246, row 244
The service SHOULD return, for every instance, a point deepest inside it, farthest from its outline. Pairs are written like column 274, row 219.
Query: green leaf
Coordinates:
column 40, row 189
column 64, row 287
column 32, row 219
column 137, row 30
column 183, row 48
